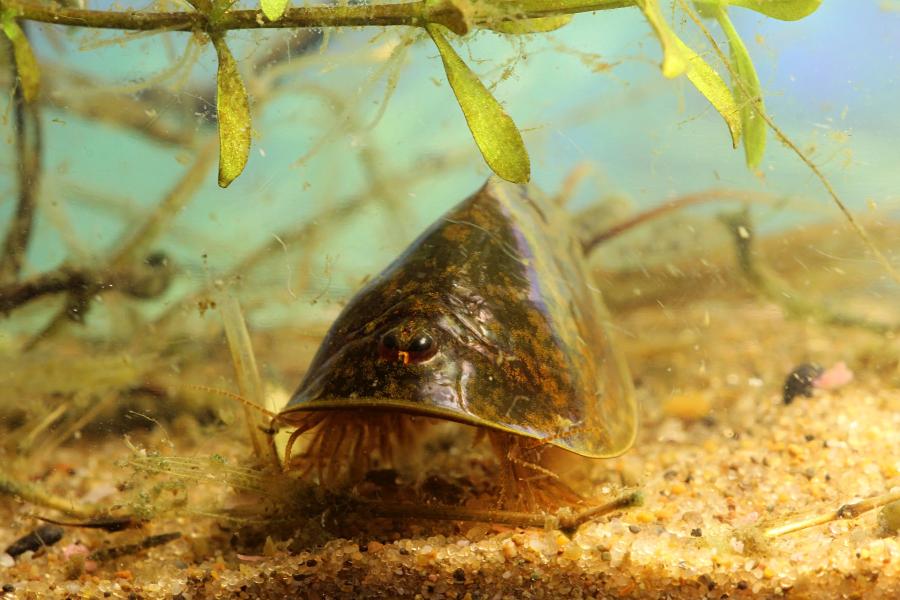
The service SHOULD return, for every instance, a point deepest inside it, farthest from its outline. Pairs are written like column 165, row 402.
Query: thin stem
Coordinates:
column 784, row 139
column 247, row 375
column 712, row 195
column 28, row 152
column 35, row 495
column 770, row 286
column 850, row 510
column 134, row 246
column 130, row 249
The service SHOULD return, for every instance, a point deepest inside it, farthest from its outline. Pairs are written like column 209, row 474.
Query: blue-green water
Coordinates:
column 830, row 82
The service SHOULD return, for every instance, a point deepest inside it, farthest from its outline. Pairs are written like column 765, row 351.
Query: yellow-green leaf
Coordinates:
column 708, row 9
column 233, row 112
column 536, row 25
column 747, row 93
column 273, row 9
column 784, row 10
column 674, row 61
column 26, row 65
column 497, row 136
column 708, row 83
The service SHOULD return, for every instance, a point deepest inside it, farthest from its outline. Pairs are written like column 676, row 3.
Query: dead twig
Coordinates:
column 851, row 510
column 146, row 280
column 137, row 242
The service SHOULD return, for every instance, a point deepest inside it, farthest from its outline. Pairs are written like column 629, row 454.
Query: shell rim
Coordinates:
column 390, row 404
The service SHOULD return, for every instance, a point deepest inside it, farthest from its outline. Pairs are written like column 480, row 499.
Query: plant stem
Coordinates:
column 408, row 13
column 36, row 495
column 770, row 286
column 713, row 195
column 27, row 124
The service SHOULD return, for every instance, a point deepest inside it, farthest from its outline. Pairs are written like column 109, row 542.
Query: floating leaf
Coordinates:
column 784, row 10
column 747, row 93
column 273, row 9
column 497, row 136
column 26, row 65
column 233, row 112
column 708, row 83
column 674, row 61
column 537, row 25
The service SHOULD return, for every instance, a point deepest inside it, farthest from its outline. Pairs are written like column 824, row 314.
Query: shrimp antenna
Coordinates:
column 231, row 395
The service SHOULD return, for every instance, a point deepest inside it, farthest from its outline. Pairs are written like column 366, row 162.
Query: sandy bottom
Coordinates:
column 719, row 459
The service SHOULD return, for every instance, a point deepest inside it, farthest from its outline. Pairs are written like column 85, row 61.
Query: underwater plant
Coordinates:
column 741, row 105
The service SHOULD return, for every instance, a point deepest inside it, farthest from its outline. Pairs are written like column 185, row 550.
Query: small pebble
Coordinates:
column 459, row 575
column 800, row 381
column 835, row 376
column 696, row 532
column 45, row 535
column 8, row 588
column 634, row 529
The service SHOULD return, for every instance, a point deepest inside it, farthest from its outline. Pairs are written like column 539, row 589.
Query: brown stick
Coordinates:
column 62, row 280
column 713, row 195
column 147, row 280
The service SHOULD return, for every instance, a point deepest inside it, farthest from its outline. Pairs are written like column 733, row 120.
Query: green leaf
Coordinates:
column 273, row 9
column 233, row 112
column 784, row 10
column 536, row 25
column 26, row 65
column 674, row 61
column 497, row 136
column 708, row 83
column 708, row 9
column 747, row 93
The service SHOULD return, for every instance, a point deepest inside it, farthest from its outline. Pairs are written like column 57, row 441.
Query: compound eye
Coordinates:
column 398, row 345
column 390, row 342
column 421, row 348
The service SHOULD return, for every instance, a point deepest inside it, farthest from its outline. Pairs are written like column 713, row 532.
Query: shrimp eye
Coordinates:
column 390, row 342
column 420, row 345
column 402, row 347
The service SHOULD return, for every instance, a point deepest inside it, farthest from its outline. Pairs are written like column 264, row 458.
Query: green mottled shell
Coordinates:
column 523, row 338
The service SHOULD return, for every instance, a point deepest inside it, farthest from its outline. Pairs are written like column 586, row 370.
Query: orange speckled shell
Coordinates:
column 523, row 336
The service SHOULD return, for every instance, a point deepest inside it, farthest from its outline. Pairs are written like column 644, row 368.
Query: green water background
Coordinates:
column 830, row 80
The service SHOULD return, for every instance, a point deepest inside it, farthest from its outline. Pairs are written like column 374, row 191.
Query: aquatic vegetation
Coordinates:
column 494, row 132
